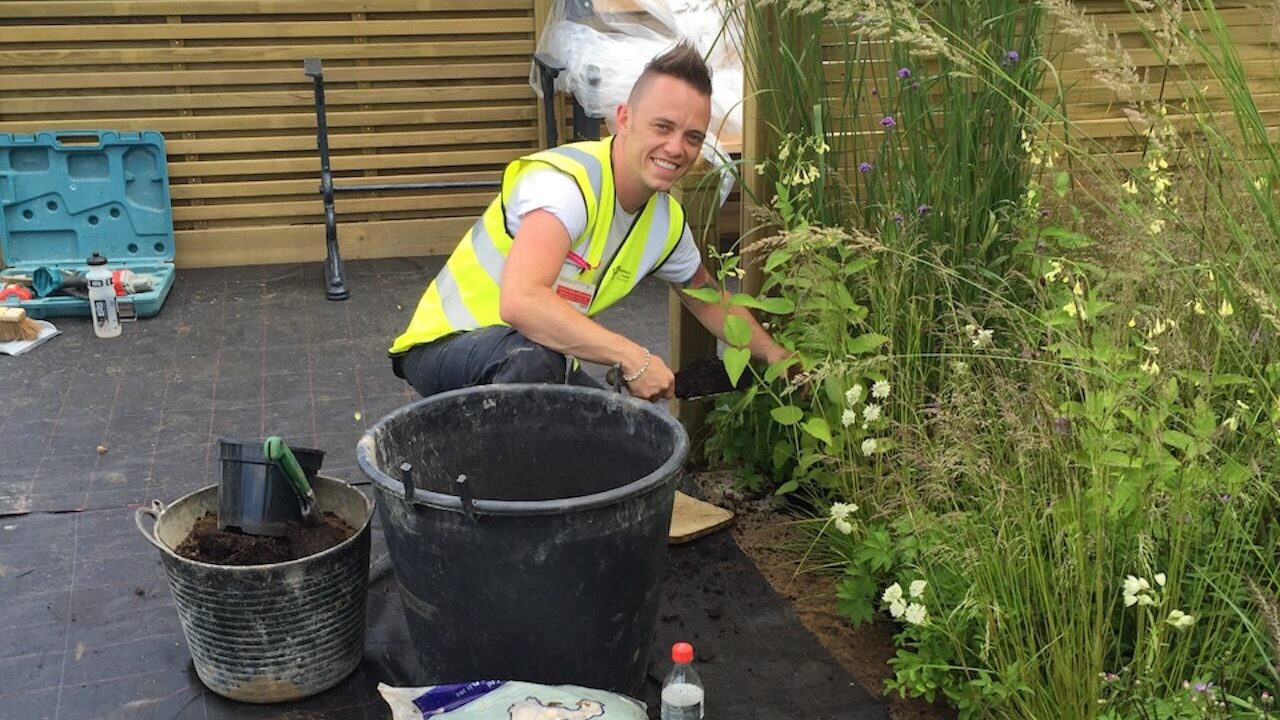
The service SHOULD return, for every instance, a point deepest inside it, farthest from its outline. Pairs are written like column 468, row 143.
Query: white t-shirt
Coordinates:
column 558, row 194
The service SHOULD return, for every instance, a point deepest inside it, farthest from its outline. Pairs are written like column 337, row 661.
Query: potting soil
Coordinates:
column 207, row 543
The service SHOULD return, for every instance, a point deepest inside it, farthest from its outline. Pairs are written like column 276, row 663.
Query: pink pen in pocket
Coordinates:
column 578, row 261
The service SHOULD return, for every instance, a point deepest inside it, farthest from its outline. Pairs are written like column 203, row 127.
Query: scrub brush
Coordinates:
column 15, row 325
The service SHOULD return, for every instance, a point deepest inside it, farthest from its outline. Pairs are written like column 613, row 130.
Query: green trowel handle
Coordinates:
column 279, row 453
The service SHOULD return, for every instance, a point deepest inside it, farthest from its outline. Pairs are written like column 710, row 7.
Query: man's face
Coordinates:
column 660, row 135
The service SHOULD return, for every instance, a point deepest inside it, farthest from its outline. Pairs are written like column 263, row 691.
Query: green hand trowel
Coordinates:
column 278, row 452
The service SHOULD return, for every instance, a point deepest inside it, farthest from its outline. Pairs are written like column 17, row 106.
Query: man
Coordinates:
column 573, row 231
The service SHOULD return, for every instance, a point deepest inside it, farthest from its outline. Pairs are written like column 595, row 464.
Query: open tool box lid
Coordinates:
column 66, row 195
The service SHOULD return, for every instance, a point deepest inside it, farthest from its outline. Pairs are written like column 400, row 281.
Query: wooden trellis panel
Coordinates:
column 417, row 90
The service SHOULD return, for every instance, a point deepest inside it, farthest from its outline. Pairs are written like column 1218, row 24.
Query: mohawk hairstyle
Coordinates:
column 682, row 62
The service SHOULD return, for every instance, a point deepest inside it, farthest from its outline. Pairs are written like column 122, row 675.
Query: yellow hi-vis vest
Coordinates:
column 464, row 295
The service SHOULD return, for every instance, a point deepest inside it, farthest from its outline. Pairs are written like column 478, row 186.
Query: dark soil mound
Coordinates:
column 207, row 543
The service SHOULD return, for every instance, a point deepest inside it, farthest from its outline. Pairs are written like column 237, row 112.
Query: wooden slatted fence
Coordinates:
column 417, row 90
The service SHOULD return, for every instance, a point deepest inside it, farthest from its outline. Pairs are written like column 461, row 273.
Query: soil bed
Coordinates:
column 770, row 536
column 207, row 543
column 706, row 376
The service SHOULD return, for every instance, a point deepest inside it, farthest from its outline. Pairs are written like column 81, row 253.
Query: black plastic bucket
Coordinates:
column 254, row 496
column 545, row 564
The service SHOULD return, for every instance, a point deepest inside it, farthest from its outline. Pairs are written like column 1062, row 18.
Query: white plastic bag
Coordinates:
column 508, row 700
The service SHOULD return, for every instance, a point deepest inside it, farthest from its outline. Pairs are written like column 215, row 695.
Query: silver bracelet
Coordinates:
column 638, row 373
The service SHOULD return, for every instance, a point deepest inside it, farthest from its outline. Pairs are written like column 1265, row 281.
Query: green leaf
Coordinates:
column 705, row 294
column 776, row 259
column 1062, row 184
column 735, row 362
column 777, row 305
column 786, row 414
column 1180, row 440
column 865, row 343
column 808, row 460
column 744, row 300
column 786, row 487
column 817, row 427
column 775, row 371
column 1067, row 239
column 737, row 332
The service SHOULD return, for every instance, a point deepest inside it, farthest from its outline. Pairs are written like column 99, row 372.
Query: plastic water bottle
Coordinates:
column 682, row 692
column 102, row 298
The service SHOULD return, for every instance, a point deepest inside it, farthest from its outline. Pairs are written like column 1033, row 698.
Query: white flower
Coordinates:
column 880, row 389
column 848, row 417
column 853, row 395
column 1180, row 620
column 871, row 412
column 897, row 608
column 869, row 447
column 1134, row 589
column 1231, row 423
column 841, row 511
column 892, row 594
column 1160, row 579
column 917, row 588
column 981, row 337
column 916, row 614
column 844, row 526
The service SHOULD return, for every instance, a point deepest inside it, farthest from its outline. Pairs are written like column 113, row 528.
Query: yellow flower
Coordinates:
column 1151, row 367
column 1133, row 322
column 1131, row 187
column 1198, row 308
column 1164, row 164
column 1156, row 226
column 1225, row 310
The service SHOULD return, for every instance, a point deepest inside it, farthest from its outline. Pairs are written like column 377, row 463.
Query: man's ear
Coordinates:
column 623, row 118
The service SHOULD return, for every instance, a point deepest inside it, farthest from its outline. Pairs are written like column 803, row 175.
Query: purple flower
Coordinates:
column 924, row 209
column 889, row 122
column 1011, row 58
column 875, row 92
column 864, row 167
column 904, row 73
column 897, row 217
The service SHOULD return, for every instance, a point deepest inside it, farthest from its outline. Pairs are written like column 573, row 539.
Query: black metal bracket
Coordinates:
column 335, row 280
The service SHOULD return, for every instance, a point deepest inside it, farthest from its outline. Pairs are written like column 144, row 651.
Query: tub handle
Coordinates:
column 154, row 511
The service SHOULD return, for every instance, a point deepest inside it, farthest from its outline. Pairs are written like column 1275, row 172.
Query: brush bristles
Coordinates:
column 15, row 325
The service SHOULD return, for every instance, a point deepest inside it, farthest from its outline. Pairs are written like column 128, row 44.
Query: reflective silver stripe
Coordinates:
column 455, row 311
column 588, row 162
column 487, row 254
column 655, row 246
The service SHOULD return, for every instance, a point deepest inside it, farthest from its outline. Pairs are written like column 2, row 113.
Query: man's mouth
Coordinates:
column 665, row 164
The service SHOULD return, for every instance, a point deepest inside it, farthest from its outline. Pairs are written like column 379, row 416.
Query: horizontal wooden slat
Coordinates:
column 20, row 105
column 334, row 76
column 143, row 8
column 269, row 244
column 351, row 141
column 231, row 123
column 269, row 188
column 284, row 166
column 168, row 32
column 89, row 57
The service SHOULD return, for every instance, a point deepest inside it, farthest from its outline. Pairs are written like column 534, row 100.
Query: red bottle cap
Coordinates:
column 682, row 652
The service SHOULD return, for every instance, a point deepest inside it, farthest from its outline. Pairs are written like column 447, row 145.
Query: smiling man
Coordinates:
column 573, row 230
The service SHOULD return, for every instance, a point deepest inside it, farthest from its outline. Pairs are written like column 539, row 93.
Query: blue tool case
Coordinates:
column 66, row 195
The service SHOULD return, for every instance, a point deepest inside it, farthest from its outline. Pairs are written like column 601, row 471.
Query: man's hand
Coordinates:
column 655, row 383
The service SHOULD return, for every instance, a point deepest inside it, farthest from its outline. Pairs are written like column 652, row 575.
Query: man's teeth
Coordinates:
column 665, row 164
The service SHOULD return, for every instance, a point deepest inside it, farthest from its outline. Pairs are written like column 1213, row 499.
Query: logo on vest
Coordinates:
column 621, row 274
